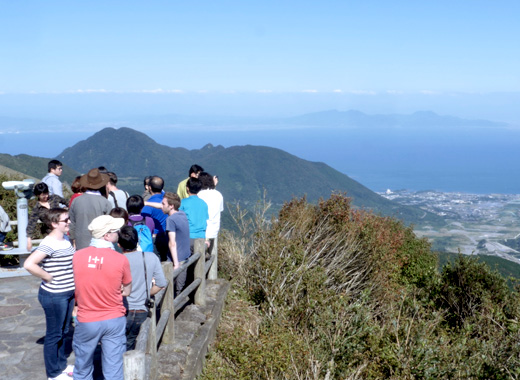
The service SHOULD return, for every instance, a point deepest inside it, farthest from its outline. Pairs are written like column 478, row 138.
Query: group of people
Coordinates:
column 100, row 259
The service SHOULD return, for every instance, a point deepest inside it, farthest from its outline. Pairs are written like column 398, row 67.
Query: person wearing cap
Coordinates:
column 87, row 207
column 102, row 277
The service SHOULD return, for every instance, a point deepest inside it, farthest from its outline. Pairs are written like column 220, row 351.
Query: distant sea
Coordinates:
column 474, row 161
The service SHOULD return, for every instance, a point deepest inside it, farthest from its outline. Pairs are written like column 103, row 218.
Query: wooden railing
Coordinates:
column 141, row 363
column 15, row 243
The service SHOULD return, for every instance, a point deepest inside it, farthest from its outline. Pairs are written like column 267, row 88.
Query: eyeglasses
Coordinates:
column 65, row 220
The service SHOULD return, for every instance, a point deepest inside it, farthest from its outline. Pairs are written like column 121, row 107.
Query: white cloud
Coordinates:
column 338, row 91
column 104, row 91
column 90, row 91
column 394, row 92
column 310, row 91
column 429, row 92
column 158, row 91
column 265, row 91
column 362, row 92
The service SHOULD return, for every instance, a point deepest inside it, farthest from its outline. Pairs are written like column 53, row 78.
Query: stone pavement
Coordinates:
column 22, row 328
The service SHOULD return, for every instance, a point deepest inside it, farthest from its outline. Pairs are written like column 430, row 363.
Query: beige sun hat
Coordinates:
column 104, row 223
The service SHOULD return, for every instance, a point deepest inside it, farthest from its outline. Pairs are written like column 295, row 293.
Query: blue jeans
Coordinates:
column 58, row 313
column 111, row 334
column 2, row 236
column 133, row 325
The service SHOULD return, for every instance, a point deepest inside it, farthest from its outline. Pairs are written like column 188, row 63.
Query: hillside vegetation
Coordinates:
column 508, row 269
column 328, row 292
column 32, row 167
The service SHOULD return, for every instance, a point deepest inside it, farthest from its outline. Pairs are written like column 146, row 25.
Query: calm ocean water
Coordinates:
column 473, row 161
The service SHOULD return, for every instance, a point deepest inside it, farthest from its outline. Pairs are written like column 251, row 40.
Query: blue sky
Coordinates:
column 260, row 58
column 358, row 47
column 80, row 66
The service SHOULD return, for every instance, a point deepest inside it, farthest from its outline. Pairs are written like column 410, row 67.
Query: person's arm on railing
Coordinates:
column 172, row 244
column 159, row 280
column 154, row 290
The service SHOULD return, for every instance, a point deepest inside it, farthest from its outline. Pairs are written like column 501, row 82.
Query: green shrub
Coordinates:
column 468, row 288
column 327, row 292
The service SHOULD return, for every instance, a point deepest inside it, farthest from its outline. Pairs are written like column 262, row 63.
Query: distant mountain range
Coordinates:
column 244, row 171
column 330, row 118
column 421, row 119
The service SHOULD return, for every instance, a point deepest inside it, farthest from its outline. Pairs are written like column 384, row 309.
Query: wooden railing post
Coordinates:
column 167, row 303
column 200, row 272
column 134, row 365
column 213, row 270
column 151, row 346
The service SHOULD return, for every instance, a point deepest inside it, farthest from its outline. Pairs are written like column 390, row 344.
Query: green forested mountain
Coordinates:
column 244, row 171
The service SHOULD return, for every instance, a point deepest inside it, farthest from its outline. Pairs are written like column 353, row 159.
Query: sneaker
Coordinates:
column 62, row 376
column 69, row 370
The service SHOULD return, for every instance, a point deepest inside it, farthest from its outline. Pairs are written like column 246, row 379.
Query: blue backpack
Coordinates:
column 144, row 234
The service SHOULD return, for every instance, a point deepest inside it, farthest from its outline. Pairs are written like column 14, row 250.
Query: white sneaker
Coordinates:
column 62, row 376
column 69, row 370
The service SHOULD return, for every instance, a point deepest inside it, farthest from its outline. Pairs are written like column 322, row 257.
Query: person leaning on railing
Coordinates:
column 147, row 280
column 43, row 205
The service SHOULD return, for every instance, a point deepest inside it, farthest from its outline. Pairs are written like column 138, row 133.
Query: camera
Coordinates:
column 26, row 184
column 149, row 303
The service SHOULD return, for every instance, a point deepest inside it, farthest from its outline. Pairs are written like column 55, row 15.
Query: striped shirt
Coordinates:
column 57, row 263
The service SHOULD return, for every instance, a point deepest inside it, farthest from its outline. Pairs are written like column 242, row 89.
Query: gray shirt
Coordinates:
column 138, row 296
column 178, row 223
column 82, row 211
column 120, row 196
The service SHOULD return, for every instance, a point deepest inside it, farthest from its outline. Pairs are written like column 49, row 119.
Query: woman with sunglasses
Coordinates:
column 52, row 262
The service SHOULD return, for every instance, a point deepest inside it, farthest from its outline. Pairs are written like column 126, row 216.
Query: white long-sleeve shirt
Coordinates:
column 54, row 183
